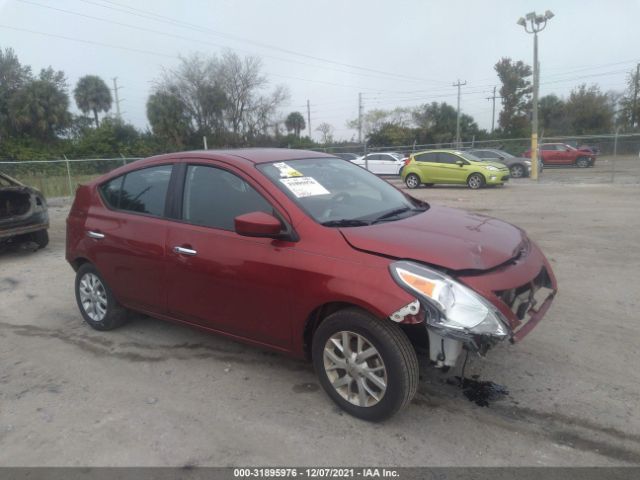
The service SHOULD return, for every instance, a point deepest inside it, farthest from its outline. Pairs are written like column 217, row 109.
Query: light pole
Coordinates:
column 534, row 23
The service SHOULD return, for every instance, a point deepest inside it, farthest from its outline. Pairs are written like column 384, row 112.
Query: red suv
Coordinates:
column 306, row 254
column 563, row 154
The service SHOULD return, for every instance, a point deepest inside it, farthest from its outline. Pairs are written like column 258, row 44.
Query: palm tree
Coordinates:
column 92, row 95
column 295, row 122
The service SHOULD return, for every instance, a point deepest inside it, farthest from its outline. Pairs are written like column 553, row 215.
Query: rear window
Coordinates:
column 140, row 191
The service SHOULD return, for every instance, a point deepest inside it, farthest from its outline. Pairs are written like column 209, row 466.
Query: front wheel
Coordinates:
column 412, row 181
column 475, row 181
column 366, row 365
column 583, row 162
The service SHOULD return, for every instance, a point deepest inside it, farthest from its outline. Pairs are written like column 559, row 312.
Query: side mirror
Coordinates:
column 500, row 158
column 460, row 163
column 567, row 149
column 257, row 224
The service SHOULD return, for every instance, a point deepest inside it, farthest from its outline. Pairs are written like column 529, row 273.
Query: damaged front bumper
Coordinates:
column 521, row 292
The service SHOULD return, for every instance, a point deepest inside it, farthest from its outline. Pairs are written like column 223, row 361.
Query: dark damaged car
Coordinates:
column 23, row 213
column 309, row 255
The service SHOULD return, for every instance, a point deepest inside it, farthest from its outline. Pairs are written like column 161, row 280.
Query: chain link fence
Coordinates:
column 606, row 144
column 618, row 161
column 59, row 178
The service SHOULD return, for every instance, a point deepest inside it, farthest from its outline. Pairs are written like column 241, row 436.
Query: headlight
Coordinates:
column 492, row 168
column 527, row 162
column 451, row 304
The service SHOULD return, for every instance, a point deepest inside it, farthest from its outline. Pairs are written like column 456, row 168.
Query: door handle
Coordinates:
column 96, row 235
column 185, row 251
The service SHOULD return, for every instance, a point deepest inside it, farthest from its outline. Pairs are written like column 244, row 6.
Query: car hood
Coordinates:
column 446, row 237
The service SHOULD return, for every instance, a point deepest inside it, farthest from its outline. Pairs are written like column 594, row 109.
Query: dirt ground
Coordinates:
column 153, row 393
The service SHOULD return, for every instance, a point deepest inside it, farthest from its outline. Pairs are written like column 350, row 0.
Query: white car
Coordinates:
column 382, row 163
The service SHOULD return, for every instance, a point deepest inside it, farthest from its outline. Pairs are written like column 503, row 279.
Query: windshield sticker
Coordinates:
column 304, row 187
column 286, row 171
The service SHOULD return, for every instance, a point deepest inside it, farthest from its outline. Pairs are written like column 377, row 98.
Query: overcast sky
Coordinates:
column 397, row 53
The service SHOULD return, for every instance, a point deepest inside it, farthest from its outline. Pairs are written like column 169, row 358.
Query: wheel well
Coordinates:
column 316, row 318
column 477, row 173
column 78, row 262
column 416, row 174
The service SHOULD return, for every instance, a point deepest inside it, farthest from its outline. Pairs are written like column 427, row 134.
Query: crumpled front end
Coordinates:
column 483, row 308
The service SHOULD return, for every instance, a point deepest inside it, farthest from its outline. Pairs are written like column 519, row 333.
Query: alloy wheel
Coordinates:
column 475, row 181
column 412, row 181
column 93, row 297
column 517, row 171
column 355, row 369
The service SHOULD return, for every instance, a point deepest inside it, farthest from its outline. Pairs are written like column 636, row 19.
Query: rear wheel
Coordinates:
column 517, row 171
column 97, row 304
column 582, row 162
column 475, row 181
column 412, row 181
column 366, row 365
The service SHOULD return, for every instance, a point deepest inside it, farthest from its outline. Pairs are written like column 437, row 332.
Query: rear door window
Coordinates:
column 140, row 191
column 426, row 157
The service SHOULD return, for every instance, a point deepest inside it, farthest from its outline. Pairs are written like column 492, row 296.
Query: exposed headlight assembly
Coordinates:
column 450, row 304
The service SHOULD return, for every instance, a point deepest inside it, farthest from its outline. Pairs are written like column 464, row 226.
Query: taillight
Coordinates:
column 406, row 161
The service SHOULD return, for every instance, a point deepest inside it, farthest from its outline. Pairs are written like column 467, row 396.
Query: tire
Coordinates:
column 96, row 302
column 400, row 171
column 41, row 238
column 380, row 393
column 582, row 162
column 517, row 171
column 412, row 181
column 475, row 181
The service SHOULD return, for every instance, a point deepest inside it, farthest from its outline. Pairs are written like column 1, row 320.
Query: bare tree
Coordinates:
column 327, row 132
column 195, row 84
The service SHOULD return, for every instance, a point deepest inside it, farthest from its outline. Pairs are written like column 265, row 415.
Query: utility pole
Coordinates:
column 537, row 23
column 458, row 116
column 309, row 117
column 360, row 118
column 493, row 110
column 635, row 97
column 115, row 93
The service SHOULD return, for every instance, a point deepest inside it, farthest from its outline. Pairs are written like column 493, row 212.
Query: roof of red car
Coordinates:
column 254, row 155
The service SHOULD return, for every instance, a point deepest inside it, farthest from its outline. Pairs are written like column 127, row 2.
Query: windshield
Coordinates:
column 504, row 154
column 469, row 156
column 397, row 155
column 335, row 192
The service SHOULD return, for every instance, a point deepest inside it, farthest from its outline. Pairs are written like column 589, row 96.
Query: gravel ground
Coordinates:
column 153, row 393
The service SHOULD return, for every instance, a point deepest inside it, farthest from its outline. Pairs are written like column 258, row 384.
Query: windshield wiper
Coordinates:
column 345, row 222
column 395, row 212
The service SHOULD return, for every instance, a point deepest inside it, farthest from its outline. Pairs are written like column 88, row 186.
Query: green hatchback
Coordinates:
column 452, row 167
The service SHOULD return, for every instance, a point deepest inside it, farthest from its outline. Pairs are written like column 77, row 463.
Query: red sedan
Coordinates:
column 307, row 254
column 563, row 154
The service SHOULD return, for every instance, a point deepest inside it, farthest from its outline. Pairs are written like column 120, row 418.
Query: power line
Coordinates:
column 89, row 42
column 189, row 39
column 181, row 24
column 176, row 57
